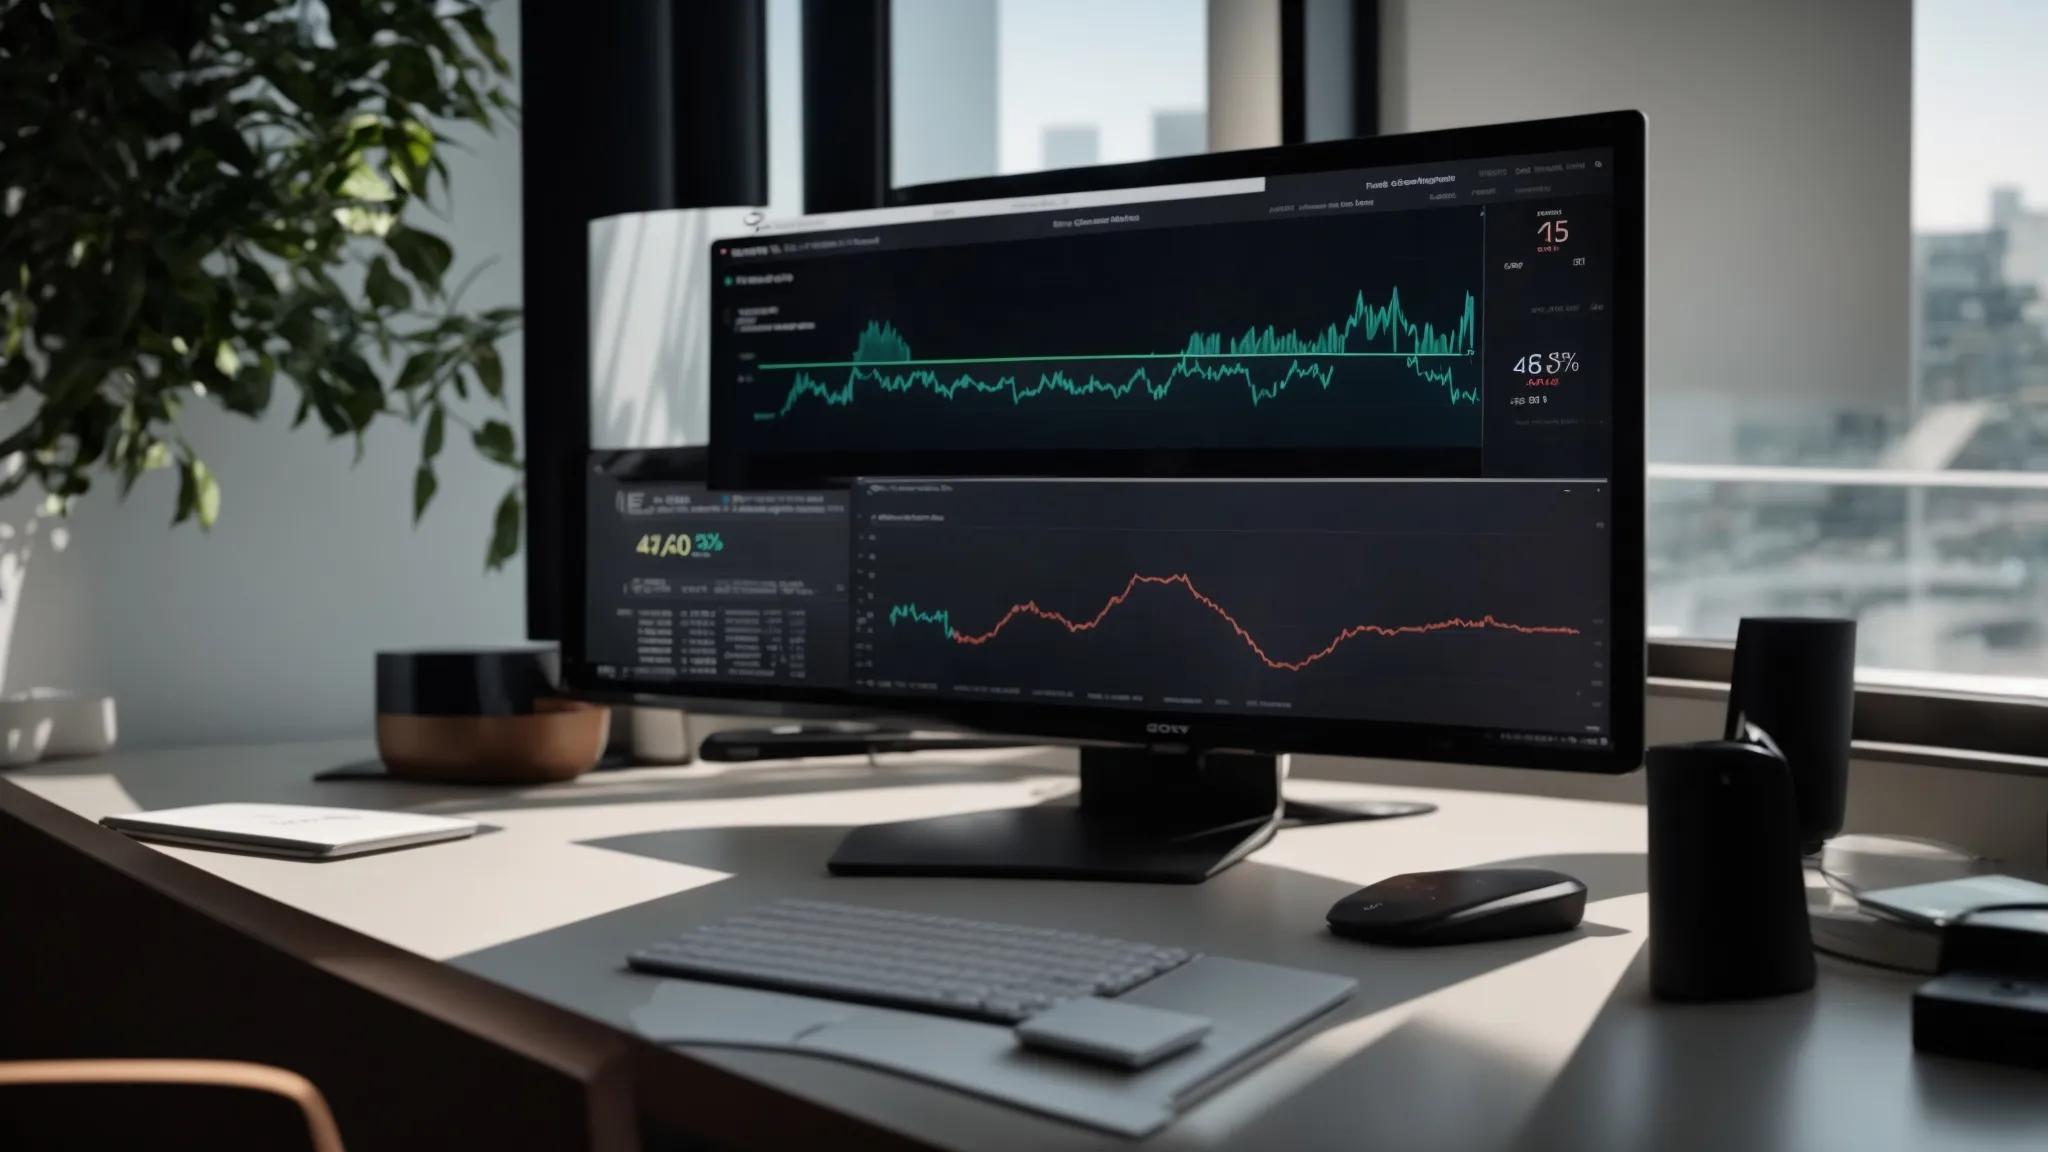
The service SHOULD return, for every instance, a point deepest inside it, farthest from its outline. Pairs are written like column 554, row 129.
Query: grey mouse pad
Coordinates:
column 1253, row 1006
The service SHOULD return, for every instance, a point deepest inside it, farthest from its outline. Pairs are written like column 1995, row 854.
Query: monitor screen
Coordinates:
column 1336, row 601
column 686, row 589
column 1449, row 318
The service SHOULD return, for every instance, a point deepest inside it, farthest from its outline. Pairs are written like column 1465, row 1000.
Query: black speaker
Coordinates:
column 1795, row 678
column 1727, row 890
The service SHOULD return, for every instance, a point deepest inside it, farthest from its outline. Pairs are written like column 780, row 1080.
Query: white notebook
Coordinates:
column 298, row 830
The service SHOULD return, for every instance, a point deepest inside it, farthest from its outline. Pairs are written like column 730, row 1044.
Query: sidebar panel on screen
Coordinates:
column 689, row 585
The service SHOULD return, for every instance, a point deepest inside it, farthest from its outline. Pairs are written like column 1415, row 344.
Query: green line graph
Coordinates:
column 883, row 361
column 916, row 615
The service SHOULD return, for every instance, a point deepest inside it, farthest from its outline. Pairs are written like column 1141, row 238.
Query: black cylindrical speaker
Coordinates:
column 1795, row 678
column 1727, row 891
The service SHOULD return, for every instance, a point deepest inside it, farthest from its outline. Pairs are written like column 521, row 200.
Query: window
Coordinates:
column 993, row 87
column 1921, row 507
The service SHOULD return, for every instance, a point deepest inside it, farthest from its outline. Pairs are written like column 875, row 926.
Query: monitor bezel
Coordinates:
column 1621, row 133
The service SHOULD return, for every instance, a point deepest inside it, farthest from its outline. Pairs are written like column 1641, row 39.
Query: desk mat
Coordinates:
column 1254, row 1006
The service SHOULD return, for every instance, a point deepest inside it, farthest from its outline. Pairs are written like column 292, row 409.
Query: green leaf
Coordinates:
column 424, row 255
column 198, row 494
column 437, row 429
column 490, row 371
column 355, row 373
column 364, row 183
column 252, row 280
column 504, row 532
column 419, row 368
column 496, row 442
column 479, row 29
column 385, row 289
column 411, row 76
column 423, row 486
column 361, row 221
column 226, row 143
column 361, row 408
column 209, row 494
column 412, row 140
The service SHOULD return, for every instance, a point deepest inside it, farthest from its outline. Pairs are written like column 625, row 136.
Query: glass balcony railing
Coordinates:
column 1946, row 572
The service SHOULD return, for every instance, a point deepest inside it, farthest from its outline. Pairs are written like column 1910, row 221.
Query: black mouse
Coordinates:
column 1461, row 907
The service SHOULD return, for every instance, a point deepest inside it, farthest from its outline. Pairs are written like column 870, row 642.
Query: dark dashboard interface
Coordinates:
column 1446, row 319
column 1475, row 604
column 684, row 584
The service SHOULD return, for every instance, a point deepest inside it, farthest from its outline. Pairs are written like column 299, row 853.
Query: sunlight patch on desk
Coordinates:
column 481, row 892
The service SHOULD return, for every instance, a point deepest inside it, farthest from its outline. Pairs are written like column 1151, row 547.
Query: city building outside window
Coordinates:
column 1923, row 515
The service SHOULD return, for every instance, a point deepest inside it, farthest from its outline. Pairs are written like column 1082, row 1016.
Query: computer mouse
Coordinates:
column 1461, row 906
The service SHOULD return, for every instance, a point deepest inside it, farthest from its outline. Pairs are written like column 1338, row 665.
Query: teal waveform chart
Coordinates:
column 1438, row 365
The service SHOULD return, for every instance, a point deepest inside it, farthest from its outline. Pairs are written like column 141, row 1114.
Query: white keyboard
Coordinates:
column 974, row 968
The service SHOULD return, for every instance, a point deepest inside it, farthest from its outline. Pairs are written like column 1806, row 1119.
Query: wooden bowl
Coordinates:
column 559, row 740
column 484, row 716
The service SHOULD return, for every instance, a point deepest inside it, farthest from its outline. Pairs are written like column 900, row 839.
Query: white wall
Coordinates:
column 265, row 627
column 1778, row 181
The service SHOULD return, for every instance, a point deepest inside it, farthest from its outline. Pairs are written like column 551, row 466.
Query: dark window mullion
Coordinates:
column 846, row 104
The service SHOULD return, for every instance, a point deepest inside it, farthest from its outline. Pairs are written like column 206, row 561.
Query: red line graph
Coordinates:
column 1485, row 623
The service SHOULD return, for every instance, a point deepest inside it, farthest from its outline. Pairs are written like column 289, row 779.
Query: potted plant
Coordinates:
column 212, row 202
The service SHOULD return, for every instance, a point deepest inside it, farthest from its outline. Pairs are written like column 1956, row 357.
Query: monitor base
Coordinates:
column 1145, row 815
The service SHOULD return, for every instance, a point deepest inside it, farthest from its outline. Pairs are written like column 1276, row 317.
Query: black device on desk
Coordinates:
column 1196, row 462
column 1463, row 906
column 1990, row 1000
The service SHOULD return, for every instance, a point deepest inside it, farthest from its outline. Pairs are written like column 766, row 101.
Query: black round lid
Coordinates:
column 466, row 681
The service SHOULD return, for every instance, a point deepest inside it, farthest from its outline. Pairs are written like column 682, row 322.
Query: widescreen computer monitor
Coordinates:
column 1333, row 448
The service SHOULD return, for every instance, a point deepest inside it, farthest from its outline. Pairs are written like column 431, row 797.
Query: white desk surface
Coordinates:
column 1532, row 1044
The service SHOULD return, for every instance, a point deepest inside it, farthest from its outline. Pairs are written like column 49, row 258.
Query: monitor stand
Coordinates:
column 1147, row 815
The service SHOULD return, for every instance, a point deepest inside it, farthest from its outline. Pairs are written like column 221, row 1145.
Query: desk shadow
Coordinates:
column 1830, row 1068
column 1682, row 1076
column 2002, row 1103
